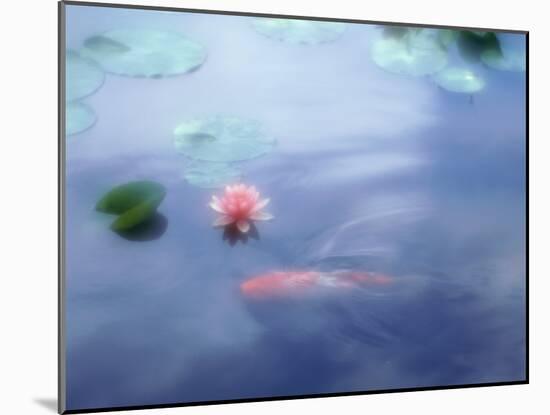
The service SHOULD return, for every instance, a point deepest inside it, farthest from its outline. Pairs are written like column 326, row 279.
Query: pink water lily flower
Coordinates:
column 239, row 205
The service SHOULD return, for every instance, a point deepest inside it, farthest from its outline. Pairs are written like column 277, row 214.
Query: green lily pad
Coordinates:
column 222, row 139
column 299, row 31
column 78, row 118
column 83, row 76
column 459, row 80
column 144, row 53
column 211, row 175
column 417, row 53
column 472, row 45
column 134, row 202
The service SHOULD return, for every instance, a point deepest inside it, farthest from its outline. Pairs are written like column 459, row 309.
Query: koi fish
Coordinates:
column 280, row 284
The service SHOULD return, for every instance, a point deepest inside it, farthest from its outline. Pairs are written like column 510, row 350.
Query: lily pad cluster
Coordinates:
column 294, row 31
column 414, row 52
column 144, row 53
column 422, row 51
column 472, row 44
column 137, row 53
column 216, row 144
column 83, row 78
column 134, row 203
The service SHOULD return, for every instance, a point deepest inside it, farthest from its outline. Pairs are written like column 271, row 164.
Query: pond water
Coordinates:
column 369, row 169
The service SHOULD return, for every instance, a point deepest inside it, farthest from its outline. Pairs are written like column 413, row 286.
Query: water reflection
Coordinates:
column 150, row 230
column 233, row 235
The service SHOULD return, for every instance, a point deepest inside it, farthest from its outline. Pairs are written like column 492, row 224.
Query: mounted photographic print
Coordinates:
column 258, row 207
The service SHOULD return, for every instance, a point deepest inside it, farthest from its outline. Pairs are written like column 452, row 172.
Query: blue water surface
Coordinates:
column 372, row 171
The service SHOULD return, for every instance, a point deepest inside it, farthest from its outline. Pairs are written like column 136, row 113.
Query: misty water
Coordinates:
column 370, row 171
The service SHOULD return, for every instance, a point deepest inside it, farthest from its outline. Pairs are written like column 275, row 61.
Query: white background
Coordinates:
column 28, row 204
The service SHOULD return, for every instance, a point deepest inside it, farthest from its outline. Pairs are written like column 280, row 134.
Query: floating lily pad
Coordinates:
column 417, row 53
column 78, row 118
column 459, row 80
column 299, row 31
column 473, row 44
column 222, row 139
column 134, row 202
column 144, row 53
column 83, row 76
column 211, row 175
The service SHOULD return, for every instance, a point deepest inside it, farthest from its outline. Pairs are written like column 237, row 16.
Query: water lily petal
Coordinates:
column 260, row 205
column 217, row 207
column 261, row 216
column 223, row 221
column 255, row 194
column 243, row 226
